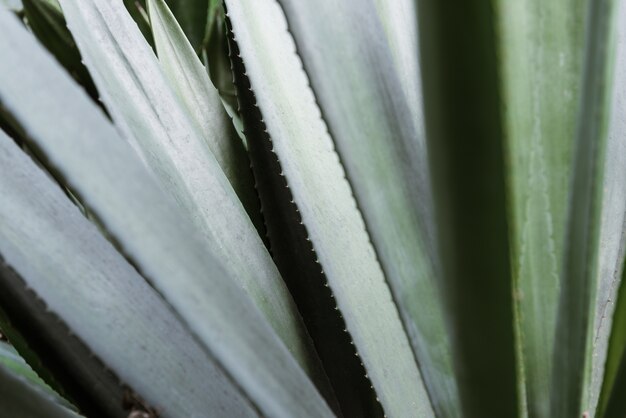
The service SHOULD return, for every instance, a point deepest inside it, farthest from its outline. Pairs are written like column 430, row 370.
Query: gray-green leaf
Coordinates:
column 82, row 146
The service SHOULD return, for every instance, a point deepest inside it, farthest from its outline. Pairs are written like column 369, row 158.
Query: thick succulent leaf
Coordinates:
column 581, row 257
column 139, row 96
column 80, row 143
column 363, row 104
column 613, row 228
column 79, row 281
column 18, row 343
column 46, row 20
column 400, row 24
column 216, row 58
column 22, row 398
column 191, row 81
column 15, row 364
column 297, row 261
column 15, row 5
column 193, row 17
column 316, row 179
column 465, row 136
column 11, row 360
column 540, row 53
column 137, row 9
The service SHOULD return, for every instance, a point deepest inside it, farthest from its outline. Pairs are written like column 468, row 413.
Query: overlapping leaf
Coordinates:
column 81, row 144
column 141, row 100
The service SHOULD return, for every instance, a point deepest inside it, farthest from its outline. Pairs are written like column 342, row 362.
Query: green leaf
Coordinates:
column 19, row 344
column 316, row 180
column 466, row 143
column 612, row 230
column 192, row 16
column 296, row 259
column 88, row 307
column 11, row 360
column 80, row 143
column 24, row 399
column 141, row 100
column 572, row 357
column 540, row 54
column 215, row 56
column 202, row 102
column 400, row 24
column 362, row 101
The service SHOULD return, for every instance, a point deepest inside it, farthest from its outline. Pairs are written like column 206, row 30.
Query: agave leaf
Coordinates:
column 324, row 200
column 80, row 143
column 14, row 5
column 78, row 280
column 139, row 96
column 189, row 78
column 363, row 104
column 400, row 24
column 541, row 50
column 18, row 344
column 613, row 228
column 22, row 398
column 465, row 137
column 137, row 9
column 193, row 17
column 572, row 357
column 46, row 20
column 296, row 259
column 11, row 360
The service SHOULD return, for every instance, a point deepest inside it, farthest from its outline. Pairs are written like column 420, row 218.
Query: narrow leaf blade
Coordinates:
column 140, row 98
column 574, row 335
column 149, row 227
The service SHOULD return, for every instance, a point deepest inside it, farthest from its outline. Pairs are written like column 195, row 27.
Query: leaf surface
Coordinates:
column 88, row 307
column 540, row 54
column 150, row 229
column 162, row 131
column 358, row 88
column 202, row 102
column 462, row 103
column 316, row 179
column 572, row 357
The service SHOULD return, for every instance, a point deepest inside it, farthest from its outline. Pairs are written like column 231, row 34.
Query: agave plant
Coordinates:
column 287, row 208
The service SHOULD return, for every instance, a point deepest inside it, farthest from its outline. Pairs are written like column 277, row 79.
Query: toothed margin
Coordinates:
column 268, row 139
column 39, row 305
column 362, row 223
